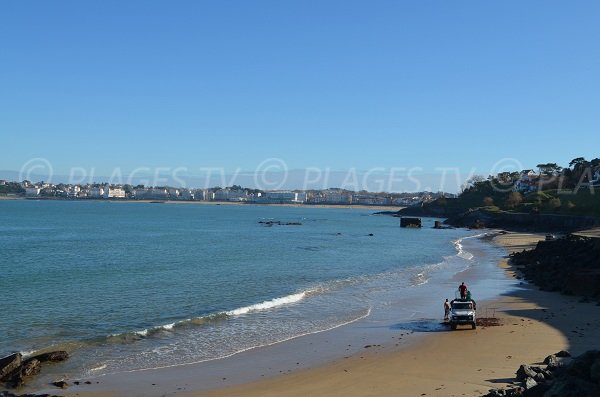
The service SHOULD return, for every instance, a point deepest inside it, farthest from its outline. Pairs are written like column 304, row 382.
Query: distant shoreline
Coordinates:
column 339, row 206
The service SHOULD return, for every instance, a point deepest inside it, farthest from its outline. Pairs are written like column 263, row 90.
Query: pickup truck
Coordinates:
column 462, row 312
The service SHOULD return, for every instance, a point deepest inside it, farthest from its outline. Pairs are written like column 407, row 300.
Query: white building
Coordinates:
column 32, row 191
column 231, row 195
column 96, row 192
column 114, row 192
column 526, row 182
column 284, row 197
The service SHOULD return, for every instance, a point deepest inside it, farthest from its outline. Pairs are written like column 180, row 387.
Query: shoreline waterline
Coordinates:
column 381, row 334
column 531, row 329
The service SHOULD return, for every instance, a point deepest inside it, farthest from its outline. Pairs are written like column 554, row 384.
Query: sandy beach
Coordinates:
column 466, row 362
column 534, row 325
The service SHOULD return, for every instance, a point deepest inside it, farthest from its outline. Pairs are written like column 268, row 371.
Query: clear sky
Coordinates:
column 324, row 84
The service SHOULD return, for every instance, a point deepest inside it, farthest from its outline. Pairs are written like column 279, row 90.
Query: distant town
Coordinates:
column 105, row 191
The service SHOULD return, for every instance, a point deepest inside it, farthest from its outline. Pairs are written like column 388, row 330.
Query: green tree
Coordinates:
column 549, row 169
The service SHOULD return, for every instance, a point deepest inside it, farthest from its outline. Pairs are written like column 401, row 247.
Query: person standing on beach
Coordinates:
column 463, row 290
column 446, row 309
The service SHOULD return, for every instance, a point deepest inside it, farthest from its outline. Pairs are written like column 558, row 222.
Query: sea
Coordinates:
column 126, row 286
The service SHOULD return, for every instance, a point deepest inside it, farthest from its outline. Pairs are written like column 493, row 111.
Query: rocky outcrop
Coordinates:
column 56, row 356
column 410, row 222
column 569, row 265
column 9, row 364
column 581, row 378
column 14, row 371
column 478, row 218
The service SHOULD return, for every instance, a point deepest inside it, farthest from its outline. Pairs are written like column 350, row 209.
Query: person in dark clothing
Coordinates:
column 463, row 291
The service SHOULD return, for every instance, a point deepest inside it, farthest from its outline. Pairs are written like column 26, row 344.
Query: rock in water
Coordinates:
column 8, row 364
column 61, row 383
column 53, row 356
column 29, row 368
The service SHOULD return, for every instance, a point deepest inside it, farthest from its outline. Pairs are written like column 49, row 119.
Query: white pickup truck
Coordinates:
column 462, row 312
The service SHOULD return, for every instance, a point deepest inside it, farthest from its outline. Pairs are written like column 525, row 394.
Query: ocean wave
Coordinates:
column 133, row 336
column 266, row 305
column 461, row 252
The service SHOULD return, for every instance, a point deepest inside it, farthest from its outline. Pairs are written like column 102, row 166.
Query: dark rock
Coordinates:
column 31, row 367
column 537, row 370
column 61, row 383
column 514, row 391
column 550, row 359
column 537, row 391
column 570, row 386
column 552, row 362
column 595, row 371
column 525, row 371
column 563, row 353
column 568, row 265
column 8, row 364
column 548, row 374
column 410, row 222
column 581, row 367
column 529, row 383
column 539, row 378
column 53, row 356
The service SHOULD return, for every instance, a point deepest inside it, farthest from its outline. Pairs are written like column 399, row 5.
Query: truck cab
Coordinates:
column 462, row 312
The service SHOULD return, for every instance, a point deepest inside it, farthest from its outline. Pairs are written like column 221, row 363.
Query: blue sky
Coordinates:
column 325, row 84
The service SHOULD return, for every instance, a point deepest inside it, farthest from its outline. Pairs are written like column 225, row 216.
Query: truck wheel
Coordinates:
column 453, row 326
column 473, row 326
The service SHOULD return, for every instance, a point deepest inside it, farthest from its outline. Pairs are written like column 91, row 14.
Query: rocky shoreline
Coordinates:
column 15, row 371
column 559, row 378
column 478, row 218
column 569, row 265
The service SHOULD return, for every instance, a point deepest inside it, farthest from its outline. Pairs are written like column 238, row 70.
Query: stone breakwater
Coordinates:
column 569, row 265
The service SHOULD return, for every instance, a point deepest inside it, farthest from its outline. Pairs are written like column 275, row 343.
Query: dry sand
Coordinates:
column 465, row 362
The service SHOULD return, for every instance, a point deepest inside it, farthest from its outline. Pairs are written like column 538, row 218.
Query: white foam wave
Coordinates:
column 168, row 326
column 462, row 253
column 270, row 304
column 28, row 353
column 358, row 318
column 142, row 332
column 99, row 368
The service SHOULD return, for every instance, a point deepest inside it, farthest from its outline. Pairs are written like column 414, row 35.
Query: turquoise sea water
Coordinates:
column 127, row 286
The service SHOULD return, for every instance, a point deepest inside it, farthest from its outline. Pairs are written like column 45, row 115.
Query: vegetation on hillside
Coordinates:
column 553, row 189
